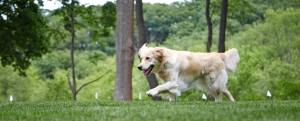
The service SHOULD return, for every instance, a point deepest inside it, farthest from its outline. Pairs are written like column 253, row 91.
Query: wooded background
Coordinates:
column 72, row 52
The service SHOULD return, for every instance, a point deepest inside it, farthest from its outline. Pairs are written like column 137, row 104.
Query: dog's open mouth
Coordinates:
column 148, row 71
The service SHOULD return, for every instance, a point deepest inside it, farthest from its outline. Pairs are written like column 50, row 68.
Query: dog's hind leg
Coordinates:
column 218, row 95
column 228, row 95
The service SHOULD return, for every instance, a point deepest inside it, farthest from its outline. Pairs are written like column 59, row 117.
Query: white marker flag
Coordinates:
column 140, row 96
column 96, row 95
column 269, row 94
column 11, row 98
column 204, row 97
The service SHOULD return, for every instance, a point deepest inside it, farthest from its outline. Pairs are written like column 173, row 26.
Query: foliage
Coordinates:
column 108, row 17
column 104, row 86
column 88, row 17
column 159, row 17
column 69, row 11
column 61, row 60
column 150, row 110
column 87, row 69
column 23, row 33
column 194, row 22
column 30, row 88
column 94, row 29
column 261, row 6
column 57, row 88
column 269, row 57
column 240, row 10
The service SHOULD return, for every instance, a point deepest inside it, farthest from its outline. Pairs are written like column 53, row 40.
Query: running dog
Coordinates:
column 182, row 70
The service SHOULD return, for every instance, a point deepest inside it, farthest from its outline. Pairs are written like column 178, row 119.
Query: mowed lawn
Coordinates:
column 269, row 110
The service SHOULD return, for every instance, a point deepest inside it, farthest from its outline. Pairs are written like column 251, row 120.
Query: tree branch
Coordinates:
column 85, row 84
column 70, row 85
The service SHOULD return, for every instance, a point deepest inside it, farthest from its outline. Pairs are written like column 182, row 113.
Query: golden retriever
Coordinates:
column 182, row 70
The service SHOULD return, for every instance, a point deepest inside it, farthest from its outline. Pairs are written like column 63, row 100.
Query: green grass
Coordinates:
column 151, row 111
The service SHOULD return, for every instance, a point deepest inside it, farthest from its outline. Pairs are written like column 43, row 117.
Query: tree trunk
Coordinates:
column 209, row 25
column 72, row 50
column 221, row 46
column 140, row 24
column 124, row 50
column 142, row 40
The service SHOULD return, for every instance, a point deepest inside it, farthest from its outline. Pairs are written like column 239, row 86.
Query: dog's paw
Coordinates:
column 152, row 92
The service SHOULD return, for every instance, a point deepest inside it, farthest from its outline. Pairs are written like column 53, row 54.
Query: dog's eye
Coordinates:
column 147, row 58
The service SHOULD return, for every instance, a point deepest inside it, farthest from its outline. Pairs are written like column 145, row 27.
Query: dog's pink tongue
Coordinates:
column 146, row 72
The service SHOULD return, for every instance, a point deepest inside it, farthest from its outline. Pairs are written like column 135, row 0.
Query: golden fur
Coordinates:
column 182, row 70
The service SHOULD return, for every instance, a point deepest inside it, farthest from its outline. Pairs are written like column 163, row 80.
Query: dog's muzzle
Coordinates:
column 146, row 71
column 140, row 68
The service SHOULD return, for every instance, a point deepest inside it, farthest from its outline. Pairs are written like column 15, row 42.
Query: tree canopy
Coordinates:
column 23, row 33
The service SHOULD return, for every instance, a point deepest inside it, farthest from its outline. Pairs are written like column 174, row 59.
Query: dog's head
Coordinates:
column 149, row 57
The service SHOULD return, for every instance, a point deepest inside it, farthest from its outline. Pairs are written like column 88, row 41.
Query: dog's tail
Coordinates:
column 231, row 60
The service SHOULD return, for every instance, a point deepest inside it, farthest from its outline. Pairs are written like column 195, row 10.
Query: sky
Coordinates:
column 53, row 5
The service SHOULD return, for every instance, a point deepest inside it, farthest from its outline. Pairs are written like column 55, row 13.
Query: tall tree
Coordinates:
column 209, row 25
column 124, row 50
column 72, row 10
column 68, row 12
column 140, row 24
column 23, row 33
column 221, row 46
column 142, row 40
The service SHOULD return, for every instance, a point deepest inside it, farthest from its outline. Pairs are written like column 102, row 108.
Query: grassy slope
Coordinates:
column 150, row 111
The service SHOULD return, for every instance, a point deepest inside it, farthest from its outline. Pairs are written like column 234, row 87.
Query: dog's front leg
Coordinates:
column 166, row 87
column 172, row 97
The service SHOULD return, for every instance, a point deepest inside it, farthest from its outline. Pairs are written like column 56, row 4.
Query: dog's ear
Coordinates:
column 158, row 54
column 143, row 47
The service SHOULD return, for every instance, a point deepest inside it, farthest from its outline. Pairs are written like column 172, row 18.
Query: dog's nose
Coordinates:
column 139, row 67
